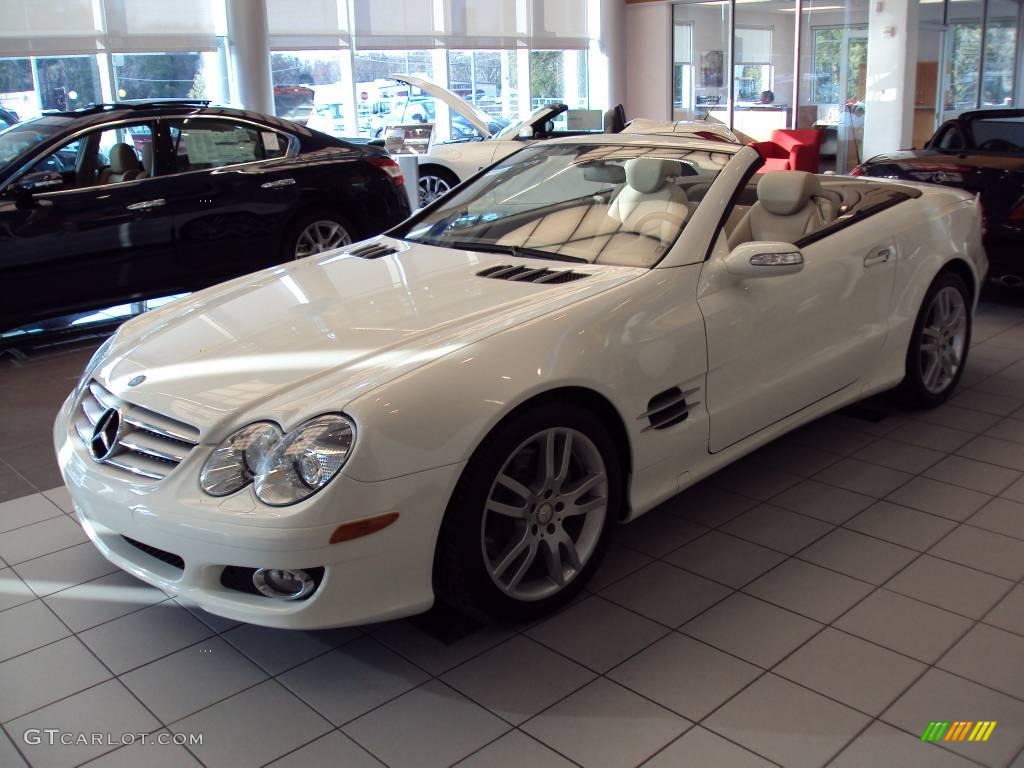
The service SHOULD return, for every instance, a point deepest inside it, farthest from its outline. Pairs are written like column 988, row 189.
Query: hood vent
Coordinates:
column 372, row 251
column 669, row 408
column 531, row 274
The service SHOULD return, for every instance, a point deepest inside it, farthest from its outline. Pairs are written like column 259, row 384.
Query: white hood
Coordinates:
column 478, row 119
column 332, row 326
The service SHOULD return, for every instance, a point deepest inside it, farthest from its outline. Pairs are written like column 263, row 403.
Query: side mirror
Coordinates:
column 758, row 259
column 526, row 132
column 33, row 183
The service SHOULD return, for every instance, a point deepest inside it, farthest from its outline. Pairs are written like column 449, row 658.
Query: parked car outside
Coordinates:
column 983, row 153
column 460, row 410
column 125, row 202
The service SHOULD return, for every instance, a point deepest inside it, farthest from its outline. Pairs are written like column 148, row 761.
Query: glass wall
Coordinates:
column 701, row 43
column 763, row 82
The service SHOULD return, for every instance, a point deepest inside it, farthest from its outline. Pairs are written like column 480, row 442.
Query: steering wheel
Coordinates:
column 998, row 145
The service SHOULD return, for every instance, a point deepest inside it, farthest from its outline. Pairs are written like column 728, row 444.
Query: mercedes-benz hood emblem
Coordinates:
column 105, row 434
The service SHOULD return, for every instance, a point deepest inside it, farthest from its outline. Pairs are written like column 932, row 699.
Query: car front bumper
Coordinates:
column 385, row 575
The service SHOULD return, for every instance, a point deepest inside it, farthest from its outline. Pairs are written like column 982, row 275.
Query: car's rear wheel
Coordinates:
column 434, row 182
column 526, row 526
column 941, row 338
column 315, row 232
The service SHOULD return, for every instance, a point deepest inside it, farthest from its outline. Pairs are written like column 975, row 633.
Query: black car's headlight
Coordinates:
column 284, row 469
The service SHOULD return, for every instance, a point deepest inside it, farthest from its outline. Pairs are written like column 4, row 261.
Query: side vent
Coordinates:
column 372, row 251
column 668, row 408
column 531, row 274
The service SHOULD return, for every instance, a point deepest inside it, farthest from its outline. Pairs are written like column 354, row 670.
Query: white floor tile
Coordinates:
column 13, row 591
column 726, row 559
column 777, row 528
column 862, row 557
column 985, row 655
column 973, row 475
column 518, row 679
column 39, row 539
column 950, row 586
column 684, row 675
column 253, row 727
column 597, row 633
column 433, row 655
column 901, row 525
column 275, row 650
column 193, row 678
column 27, row 510
column 90, row 604
column 700, row 748
column 665, row 594
column 983, row 550
column 860, row 674
column 152, row 754
column 352, row 680
column 809, row 590
column 752, row 629
column 939, row 498
column 43, row 676
column 787, row 723
column 106, row 709
column 433, row 714
column 514, row 750
column 26, row 627
column 908, row 626
column 862, row 477
column 882, row 746
column 141, row 637
column 589, row 726
column 334, row 749
column 1009, row 613
column 823, row 501
column 64, row 569
column 61, row 498
column 1001, row 516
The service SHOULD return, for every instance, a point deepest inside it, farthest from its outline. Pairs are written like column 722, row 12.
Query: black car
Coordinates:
column 124, row 202
column 982, row 152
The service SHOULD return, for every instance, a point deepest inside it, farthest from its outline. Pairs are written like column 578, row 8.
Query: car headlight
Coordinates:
column 96, row 361
column 283, row 469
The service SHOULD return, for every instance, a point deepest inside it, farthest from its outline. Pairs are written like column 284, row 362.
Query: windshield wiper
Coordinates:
column 511, row 250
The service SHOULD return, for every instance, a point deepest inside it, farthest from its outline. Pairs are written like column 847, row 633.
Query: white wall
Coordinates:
column 892, row 70
column 648, row 56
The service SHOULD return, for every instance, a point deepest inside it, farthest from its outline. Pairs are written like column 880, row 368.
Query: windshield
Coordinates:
column 599, row 203
column 20, row 138
column 1005, row 134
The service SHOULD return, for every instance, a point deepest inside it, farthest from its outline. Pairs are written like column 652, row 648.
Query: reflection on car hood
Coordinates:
column 330, row 327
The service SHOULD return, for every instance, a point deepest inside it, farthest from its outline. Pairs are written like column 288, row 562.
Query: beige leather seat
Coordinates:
column 790, row 205
column 649, row 204
column 124, row 165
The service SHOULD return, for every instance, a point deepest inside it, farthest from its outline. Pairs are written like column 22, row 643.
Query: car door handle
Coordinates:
column 878, row 257
column 277, row 184
column 146, row 205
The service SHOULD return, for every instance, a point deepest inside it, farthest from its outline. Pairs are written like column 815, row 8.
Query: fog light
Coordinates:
column 283, row 584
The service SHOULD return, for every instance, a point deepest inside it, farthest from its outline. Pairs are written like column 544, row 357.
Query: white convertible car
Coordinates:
column 460, row 410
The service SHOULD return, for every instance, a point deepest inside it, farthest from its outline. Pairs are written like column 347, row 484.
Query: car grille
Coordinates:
column 147, row 445
column 168, row 557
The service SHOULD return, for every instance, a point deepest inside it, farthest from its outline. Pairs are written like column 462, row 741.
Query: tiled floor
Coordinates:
column 818, row 604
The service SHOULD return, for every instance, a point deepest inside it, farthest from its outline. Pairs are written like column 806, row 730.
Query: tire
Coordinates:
column 476, row 568
column 434, row 181
column 939, row 344
column 303, row 234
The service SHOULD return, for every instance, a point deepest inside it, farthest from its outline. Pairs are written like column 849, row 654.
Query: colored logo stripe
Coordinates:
column 934, row 731
column 958, row 730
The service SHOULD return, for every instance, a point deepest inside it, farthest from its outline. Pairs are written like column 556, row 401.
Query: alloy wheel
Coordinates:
column 320, row 236
column 544, row 514
column 943, row 340
column 431, row 188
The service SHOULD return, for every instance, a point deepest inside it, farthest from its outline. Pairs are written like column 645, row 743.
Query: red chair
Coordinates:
column 790, row 150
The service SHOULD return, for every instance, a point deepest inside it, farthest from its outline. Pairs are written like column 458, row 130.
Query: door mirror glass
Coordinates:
column 526, row 132
column 760, row 259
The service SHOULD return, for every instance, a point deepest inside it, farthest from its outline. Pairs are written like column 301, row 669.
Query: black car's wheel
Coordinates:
column 939, row 344
column 526, row 525
column 434, row 182
column 315, row 232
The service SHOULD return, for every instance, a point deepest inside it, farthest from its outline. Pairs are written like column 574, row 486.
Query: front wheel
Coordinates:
column 434, row 182
column 940, row 341
column 315, row 232
column 526, row 526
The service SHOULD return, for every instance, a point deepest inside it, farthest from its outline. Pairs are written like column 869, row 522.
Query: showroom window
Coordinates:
column 701, row 43
column 752, row 72
column 30, row 85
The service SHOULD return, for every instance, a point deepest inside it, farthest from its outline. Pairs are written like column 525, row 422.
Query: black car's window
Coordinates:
column 1005, row 134
column 21, row 138
column 203, row 144
column 951, row 139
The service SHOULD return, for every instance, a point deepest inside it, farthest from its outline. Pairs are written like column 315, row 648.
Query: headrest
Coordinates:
column 786, row 192
column 615, row 119
column 123, row 158
column 648, row 174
